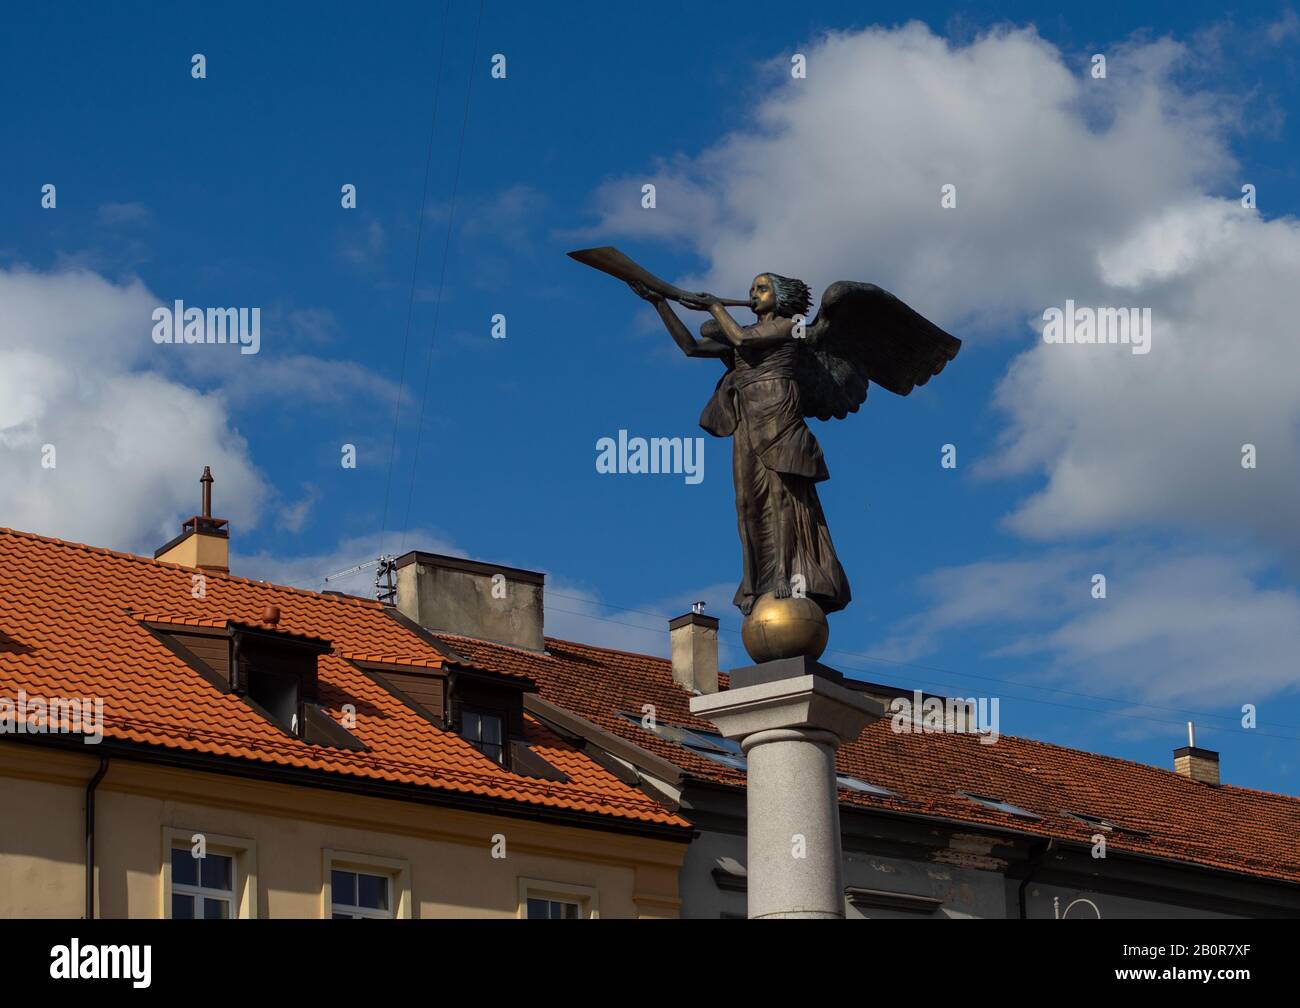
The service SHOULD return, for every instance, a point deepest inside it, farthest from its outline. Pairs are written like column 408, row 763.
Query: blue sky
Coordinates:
column 1124, row 191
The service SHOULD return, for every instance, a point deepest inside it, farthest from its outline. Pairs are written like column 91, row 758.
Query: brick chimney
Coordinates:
column 204, row 542
column 694, row 640
column 1196, row 764
column 485, row 601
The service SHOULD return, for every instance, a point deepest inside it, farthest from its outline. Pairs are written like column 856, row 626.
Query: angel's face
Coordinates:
column 762, row 295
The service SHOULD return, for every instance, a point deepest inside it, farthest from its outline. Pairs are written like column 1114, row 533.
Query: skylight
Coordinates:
column 855, row 784
column 1097, row 822
column 712, row 747
column 1090, row 820
column 998, row 805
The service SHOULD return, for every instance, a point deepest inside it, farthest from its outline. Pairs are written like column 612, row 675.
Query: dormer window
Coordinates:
column 485, row 731
column 277, row 672
column 279, row 695
column 484, row 708
column 273, row 671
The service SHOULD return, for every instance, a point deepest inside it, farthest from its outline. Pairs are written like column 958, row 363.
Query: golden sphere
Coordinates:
column 785, row 628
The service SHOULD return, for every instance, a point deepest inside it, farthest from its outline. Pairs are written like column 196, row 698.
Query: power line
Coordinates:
column 442, row 275
column 415, row 267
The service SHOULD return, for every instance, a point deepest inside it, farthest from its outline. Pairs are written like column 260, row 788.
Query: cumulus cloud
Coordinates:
column 1109, row 193
column 128, row 424
column 1122, row 192
column 838, row 176
column 1185, row 627
column 126, row 443
column 1147, row 441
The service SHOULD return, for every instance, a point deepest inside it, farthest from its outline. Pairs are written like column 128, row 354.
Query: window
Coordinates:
column 1096, row 822
column 998, row 805
column 861, row 786
column 220, row 885
column 484, row 732
column 202, row 887
column 364, row 887
column 552, row 909
column 540, row 900
column 279, row 695
column 359, row 895
column 713, row 747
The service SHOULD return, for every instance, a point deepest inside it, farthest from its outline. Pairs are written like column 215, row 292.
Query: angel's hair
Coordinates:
column 792, row 296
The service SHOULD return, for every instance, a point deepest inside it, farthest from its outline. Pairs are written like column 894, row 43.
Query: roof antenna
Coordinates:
column 385, row 566
column 385, row 590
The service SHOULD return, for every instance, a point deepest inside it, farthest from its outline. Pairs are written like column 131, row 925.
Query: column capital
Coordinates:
column 811, row 703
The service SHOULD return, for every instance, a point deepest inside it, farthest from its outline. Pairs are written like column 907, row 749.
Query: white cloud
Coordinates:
column 838, row 176
column 363, row 249
column 266, row 377
column 293, row 517
column 309, row 571
column 1186, row 627
column 1151, row 441
column 129, row 444
column 123, row 214
column 1118, row 192
column 80, row 371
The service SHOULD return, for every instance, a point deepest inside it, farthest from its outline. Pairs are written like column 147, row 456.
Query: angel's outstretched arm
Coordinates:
column 690, row 346
column 763, row 334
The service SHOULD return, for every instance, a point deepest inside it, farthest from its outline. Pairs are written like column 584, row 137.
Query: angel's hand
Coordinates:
column 700, row 302
column 644, row 292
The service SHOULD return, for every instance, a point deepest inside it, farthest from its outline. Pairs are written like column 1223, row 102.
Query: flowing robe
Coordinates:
column 776, row 465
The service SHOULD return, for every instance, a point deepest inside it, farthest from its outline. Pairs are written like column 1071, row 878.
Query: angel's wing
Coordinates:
column 864, row 334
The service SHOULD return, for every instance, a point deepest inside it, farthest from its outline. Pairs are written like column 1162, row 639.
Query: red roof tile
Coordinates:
column 1230, row 828
column 72, row 624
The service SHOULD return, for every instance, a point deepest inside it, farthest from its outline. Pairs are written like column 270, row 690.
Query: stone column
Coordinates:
column 790, row 716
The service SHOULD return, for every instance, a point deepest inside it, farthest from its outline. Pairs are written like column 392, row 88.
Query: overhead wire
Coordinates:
column 415, row 267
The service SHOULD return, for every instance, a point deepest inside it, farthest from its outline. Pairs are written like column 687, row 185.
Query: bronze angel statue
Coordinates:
column 779, row 371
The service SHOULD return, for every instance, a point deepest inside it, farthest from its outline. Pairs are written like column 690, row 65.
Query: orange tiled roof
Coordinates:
column 72, row 624
column 1230, row 828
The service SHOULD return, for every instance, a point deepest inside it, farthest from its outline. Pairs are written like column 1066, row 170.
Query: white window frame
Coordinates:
column 584, row 896
column 243, row 883
column 397, row 871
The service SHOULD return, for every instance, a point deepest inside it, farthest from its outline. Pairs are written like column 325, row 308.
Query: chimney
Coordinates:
column 1196, row 764
column 484, row 601
column 204, row 542
column 694, row 639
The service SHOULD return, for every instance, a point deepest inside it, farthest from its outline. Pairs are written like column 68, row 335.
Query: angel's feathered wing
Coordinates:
column 864, row 334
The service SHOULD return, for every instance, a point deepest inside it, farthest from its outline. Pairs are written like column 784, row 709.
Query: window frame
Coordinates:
column 396, row 870
column 585, row 896
column 493, row 712
column 994, row 805
column 243, row 856
column 201, row 893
